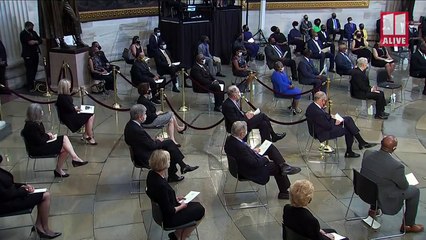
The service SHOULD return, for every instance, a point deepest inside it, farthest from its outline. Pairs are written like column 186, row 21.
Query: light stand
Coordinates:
column 262, row 11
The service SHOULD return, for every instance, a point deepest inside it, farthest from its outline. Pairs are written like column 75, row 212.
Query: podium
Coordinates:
column 76, row 58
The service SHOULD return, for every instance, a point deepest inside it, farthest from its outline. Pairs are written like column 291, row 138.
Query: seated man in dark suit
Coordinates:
column 141, row 72
column 418, row 63
column 324, row 38
column 204, row 79
column 326, row 127
column 232, row 112
column 255, row 167
column 163, row 63
column 361, row 89
column 388, row 173
column 333, row 27
column 281, row 40
column 143, row 145
column 274, row 53
column 153, row 43
column 320, row 52
column 308, row 74
column 344, row 65
column 296, row 38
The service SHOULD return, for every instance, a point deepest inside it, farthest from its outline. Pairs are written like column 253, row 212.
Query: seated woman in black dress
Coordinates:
column 70, row 115
column 174, row 211
column 36, row 141
column 18, row 196
column 360, row 46
column 381, row 58
column 156, row 118
column 98, row 71
column 298, row 218
column 239, row 64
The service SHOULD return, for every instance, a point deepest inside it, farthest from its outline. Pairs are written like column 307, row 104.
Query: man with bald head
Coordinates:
column 389, row 175
column 325, row 126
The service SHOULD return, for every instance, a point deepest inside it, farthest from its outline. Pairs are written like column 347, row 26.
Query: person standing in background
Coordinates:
column 3, row 65
column 30, row 50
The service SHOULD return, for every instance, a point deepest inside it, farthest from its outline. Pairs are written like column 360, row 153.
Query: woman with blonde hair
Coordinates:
column 39, row 143
column 70, row 115
column 175, row 211
column 298, row 218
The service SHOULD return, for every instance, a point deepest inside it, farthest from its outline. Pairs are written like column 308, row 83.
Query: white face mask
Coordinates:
column 316, row 38
column 240, row 54
column 163, row 47
column 158, row 34
column 203, row 61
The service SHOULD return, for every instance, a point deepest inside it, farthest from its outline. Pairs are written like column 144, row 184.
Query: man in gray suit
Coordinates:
column 388, row 173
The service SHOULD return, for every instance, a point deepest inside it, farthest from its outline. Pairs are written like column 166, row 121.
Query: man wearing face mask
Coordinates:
column 274, row 53
column 349, row 30
column 164, row 64
column 320, row 52
column 308, row 74
column 325, row 39
column 333, row 27
column 389, row 175
column 30, row 42
column 141, row 72
column 154, row 42
column 205, row 80
column 280, row 40
column 211, row 61
column 344, row 64
column 305, row 27
column 361, row 89
column 418, row 63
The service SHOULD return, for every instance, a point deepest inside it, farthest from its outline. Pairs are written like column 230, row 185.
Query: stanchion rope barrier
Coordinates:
column 286, row 95
column 188, row 124
column 31, row 100
column 129, row 81
column 104, row 105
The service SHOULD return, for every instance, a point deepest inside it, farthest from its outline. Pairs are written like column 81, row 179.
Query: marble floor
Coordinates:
column 95, row 201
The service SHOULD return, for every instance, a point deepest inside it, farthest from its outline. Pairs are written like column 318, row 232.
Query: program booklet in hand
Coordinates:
column 338, row 117
column 190, row 196
column 257, row 111
column 160, row 80
column 411, row 179
column 338, row 236
column 53, row 139
column 87, row 109
column 39, row 190
column 264, row 147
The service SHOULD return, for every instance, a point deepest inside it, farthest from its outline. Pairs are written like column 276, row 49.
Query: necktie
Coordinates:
column 316, row 43
column 167, row 57
column 334, row 23
column 278, row 51
column 352, row 66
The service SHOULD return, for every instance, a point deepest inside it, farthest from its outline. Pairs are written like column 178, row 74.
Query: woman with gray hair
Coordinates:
column 174, row 210
column 70, row 115
column 39, row 143
column 298, row 218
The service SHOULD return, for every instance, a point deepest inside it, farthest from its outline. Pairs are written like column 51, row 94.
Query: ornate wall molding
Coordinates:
column 120, row 13
column 311, row 4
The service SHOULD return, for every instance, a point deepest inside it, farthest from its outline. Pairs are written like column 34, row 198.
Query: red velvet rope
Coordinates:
column 186, row 123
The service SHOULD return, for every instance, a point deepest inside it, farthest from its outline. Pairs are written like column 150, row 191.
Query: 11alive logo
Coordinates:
column 394, row 29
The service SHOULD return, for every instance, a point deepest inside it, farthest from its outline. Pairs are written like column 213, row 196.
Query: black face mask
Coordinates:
column 138, row 41
column 99, row 47
column 323, row 29
column 334, row 17
column 306, row 19
column 358, row 35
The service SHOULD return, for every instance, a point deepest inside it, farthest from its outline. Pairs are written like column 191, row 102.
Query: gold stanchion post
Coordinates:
column 184, row 108
column 163, row 133
column 116, row 104
column 47, row 93
column 251, row 85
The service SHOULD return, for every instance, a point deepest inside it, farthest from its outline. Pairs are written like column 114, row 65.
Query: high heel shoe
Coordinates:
column 87, row 140
column 183, row 130
column 44, row 235
column 60, row 175
column 78, row 164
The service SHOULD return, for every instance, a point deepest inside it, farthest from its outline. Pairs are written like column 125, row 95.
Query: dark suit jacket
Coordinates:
column 360, row 84
column 10, row 190
column 343, row 65
column 271, row 56
column 202, row 76
column 321, row 122
column 161, row 63
column 330, row 25
column 140, row 72
column 152, row 46
column 307, row 71
column 417, row 65
column 349, row 30
column 3, row 55
column 388, row 173
column 27, row 49
column 140, row 141
column 323, row 39
column 250, row 165
column 231, row 113
column 313, row 47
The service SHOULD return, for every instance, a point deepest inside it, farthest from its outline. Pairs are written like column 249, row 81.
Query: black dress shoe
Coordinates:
column 351, row 155
column 188, row 168
column 385, row 114
column 283, row 195
column 175, row 89
column 217, row 109
column 289, row 170
column 175, row 178
column 366, row 145
column 278, row 136
column 172, row 236
column 59, row 175
column 220, row 74
column 380, row 116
